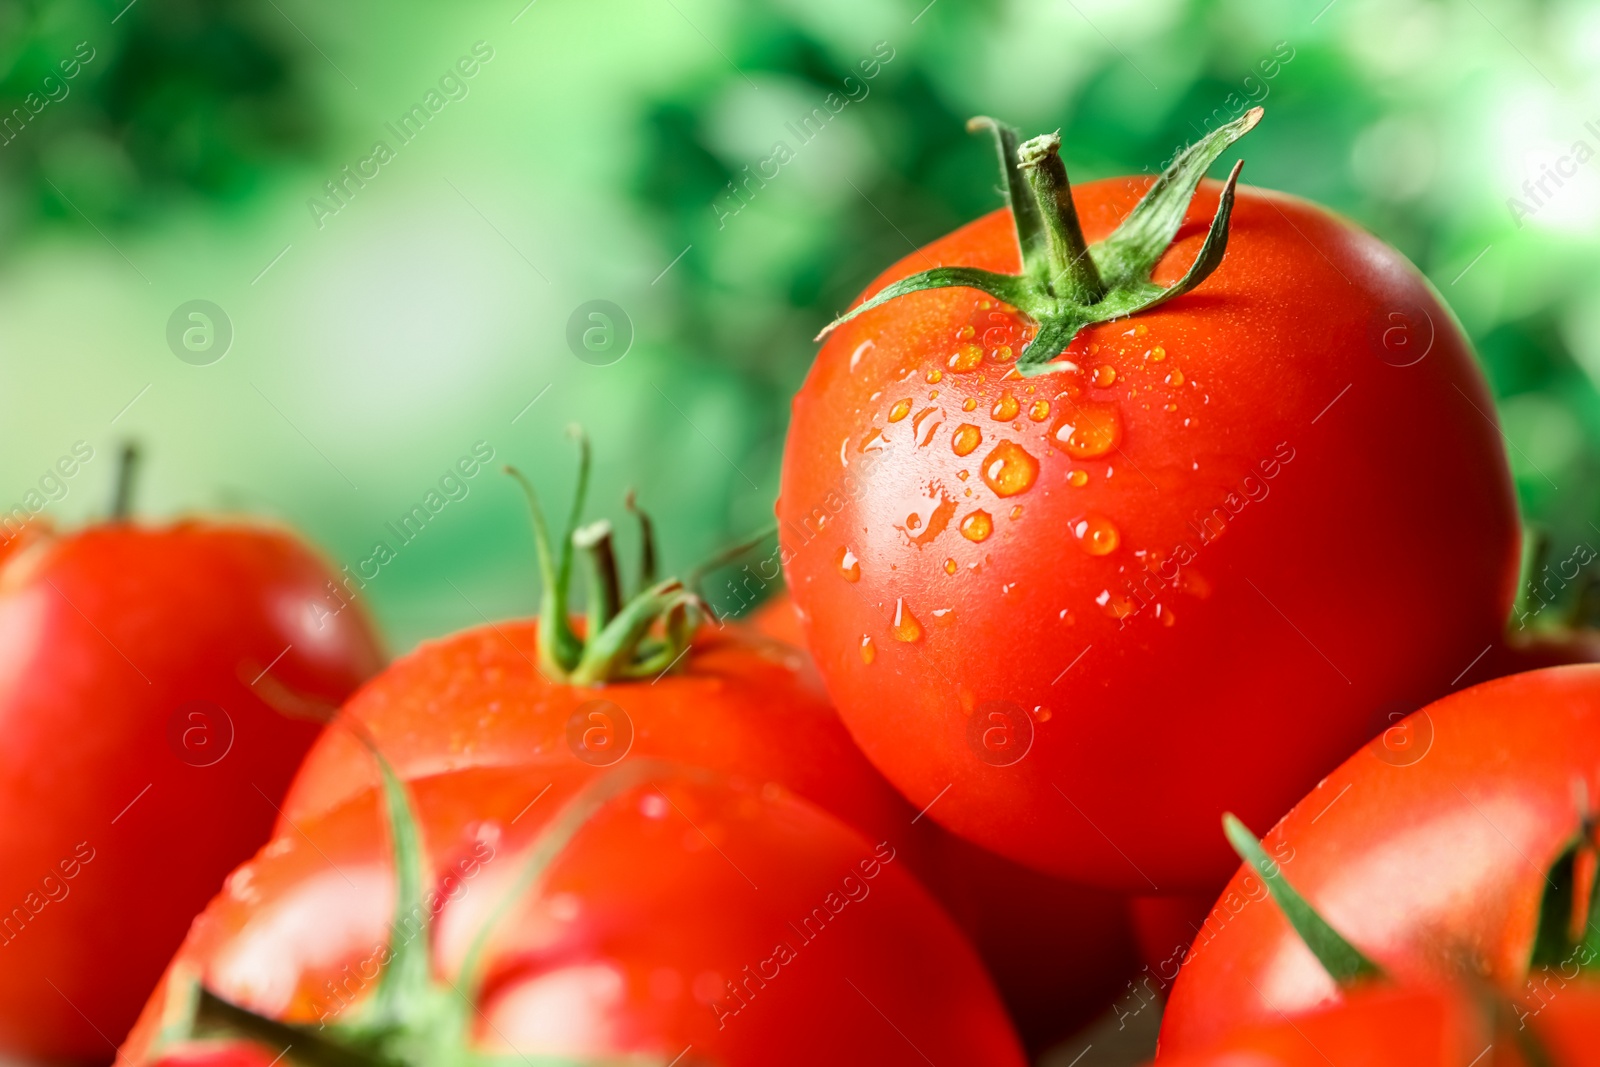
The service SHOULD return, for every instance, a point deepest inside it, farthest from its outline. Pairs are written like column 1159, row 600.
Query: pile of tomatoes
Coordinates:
column 1118, row 524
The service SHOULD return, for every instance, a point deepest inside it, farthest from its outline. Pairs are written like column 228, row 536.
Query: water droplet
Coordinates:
column 949, row 566
column 1039, row 411
column 855, row 357
column 849, row 566
column 1158, row 353
column 873, row 442
column 1090, row 430
column 1096, row 535
column 1002, row 354
column 985, row 305
column 1117, row 607
column 1005, row 409
column 1009, row 469
column 925, row 437
column 970, row 405
column 1041, row 713
column 966, row 359
column 934, row 375
column 1105, row 376
column 1078, row 479
column 1170, row 407
column 1016, row 512
column 967, row 437
column 906, row 627
column 962, row 474
column 933, row 394
column 1164, row 613
column 977, row 526
column 1176, row 377
column 901, row 409
column 869, row 651
column 1140, row 330
column 913, row 521
column 966, row 331
column 1066, row 616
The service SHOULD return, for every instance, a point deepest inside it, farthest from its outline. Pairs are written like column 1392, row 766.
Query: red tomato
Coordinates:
column 656, row 913
column 1379, row 1027
column 777, row 619
column 1181, row 570
column 1416, row 1026
column 1058, row 952
column 1431, row 850
column 158, row 687
column 737, row 703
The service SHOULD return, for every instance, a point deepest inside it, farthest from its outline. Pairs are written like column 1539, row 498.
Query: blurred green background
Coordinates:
column 588, row 157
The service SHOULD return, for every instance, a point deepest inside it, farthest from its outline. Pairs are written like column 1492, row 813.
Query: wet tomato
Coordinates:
column 651, row 677
column 650, row 914
column 1459, row 845
column 1094, row 582
column 1059, row 953
column 158, row 687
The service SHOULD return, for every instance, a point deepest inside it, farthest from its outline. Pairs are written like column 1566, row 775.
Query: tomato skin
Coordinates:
column 219, row 1054
column 1371, row 549
column 104, row 636
column 1380, row 1027
column 629, row 943
column 1427, row 850
column 1059, row 953
column 740, row 704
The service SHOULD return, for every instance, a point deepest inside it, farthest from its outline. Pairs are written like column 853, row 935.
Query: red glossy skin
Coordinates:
column 1427, row 850
column 630, row 939
column 1377, row 557
column 739, row 703
column 104, row 635
column 1381, row 1027
column 1059, row 953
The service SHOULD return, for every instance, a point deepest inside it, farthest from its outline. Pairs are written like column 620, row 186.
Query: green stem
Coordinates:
column 1071, row 272
column 605, row 588
column 647, row 542
column 122, row 495
column 559, row 647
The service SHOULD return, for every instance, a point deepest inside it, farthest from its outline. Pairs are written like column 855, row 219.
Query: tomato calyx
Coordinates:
column 1344, row 963
column 1067, row 284
column 623, row 639
column 413, row 1018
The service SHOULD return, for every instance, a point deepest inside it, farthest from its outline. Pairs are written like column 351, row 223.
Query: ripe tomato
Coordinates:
column 1378, row 1027
column 158, row 687
column 1179, row 569
column 1059, row 953
column 654, row 912
column 737, row 702
column 637, row 678
column 1440, row 850
column 1415, row 1026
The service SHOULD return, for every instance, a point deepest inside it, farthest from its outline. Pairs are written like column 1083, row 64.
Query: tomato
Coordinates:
column 1440, row 850
column 652, row 912
column 1059, row 953
column 1183, row 567
column 777, row 619
column 737, row 702
column 1381, row 1027
column 1413, row 1026
column 158, row 687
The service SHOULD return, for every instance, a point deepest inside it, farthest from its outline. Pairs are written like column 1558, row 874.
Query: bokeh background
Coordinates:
column 589, row 157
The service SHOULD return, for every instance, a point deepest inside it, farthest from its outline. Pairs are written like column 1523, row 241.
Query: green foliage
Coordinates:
column 175, row 100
